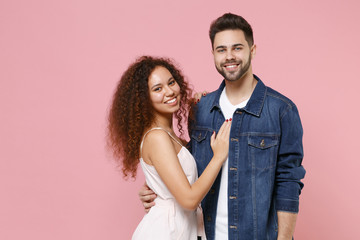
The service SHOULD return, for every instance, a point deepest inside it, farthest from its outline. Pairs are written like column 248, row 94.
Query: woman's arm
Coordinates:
column 162, row 154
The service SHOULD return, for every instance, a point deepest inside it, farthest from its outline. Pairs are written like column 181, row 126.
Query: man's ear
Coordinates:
column 253, row 51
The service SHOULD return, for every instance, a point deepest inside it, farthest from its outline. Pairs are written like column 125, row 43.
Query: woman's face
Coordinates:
column 164, row 91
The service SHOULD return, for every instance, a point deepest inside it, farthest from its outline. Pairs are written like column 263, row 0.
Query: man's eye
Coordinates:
column 221, row 50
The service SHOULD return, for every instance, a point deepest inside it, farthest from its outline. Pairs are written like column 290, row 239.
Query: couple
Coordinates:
column 246, row 146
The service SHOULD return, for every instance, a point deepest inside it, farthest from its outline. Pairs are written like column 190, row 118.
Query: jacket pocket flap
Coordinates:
column 263, row 142
column 199, row 135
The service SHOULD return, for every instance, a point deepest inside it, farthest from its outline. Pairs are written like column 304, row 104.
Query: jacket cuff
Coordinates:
column 287, row 205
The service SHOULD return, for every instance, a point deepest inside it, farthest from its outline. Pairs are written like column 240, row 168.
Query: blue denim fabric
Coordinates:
column 265, row 156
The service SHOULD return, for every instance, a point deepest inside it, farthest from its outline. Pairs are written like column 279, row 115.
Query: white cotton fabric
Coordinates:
column 167, row 220
column 221, row 229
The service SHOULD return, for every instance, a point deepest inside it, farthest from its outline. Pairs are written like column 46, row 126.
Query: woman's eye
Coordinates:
column 172, row 82
column 157, row 89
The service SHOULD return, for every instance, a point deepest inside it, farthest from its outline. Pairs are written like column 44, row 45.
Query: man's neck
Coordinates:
column 241, row 89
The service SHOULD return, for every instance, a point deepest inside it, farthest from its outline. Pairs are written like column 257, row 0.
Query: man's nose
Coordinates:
column 230, row 55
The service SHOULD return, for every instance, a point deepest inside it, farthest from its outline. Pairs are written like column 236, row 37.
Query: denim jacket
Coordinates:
column 265, row 156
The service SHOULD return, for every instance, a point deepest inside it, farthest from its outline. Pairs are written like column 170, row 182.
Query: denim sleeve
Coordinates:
column 289, row 170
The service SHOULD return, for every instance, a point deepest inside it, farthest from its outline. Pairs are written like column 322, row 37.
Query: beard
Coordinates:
column 233, row 76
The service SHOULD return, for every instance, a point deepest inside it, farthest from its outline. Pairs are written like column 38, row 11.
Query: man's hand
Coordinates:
column 147, row 197
column 286, row 221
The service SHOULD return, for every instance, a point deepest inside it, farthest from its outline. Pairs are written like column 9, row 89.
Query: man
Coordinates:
column 256, row 195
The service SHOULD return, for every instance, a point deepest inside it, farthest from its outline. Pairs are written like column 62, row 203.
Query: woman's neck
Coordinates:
column 163, row 122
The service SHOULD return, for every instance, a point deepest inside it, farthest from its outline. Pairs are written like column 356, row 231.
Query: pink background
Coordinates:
column 60, row 61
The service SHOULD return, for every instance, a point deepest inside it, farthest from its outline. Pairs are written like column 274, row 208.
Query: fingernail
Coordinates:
column 226, row 120
column 230, row 119
column 204, row 94
column 198, row 100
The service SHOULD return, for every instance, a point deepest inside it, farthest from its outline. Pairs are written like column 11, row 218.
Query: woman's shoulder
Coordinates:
column 157, row 136
column 157, row 142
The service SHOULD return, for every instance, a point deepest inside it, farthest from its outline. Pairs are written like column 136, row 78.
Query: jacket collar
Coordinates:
column 255, row 103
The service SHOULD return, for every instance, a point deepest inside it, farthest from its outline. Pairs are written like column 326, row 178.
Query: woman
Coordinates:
column 150, row 92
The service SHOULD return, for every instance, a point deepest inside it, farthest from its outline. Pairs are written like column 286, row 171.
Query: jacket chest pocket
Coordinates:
column 199, row 135
column 201, row 144
column 200, row 148
column 263, row 151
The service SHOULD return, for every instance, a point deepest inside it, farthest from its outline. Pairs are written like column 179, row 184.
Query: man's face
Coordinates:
column 232, row 54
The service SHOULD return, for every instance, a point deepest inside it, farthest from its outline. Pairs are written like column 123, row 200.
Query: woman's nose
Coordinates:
column 169, row 91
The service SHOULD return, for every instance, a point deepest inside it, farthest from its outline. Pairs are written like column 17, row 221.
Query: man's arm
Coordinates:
column 147, row 197
column 289, row 172
column 286, row 222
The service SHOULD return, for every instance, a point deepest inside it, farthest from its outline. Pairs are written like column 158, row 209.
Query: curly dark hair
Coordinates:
column 131, row 111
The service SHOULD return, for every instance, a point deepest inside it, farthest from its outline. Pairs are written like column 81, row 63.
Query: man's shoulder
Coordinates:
column 210, row 96
column 274, row 95
column 208, row 100
column 204, row 109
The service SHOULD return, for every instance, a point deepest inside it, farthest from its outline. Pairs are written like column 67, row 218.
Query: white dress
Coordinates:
column 167, row 220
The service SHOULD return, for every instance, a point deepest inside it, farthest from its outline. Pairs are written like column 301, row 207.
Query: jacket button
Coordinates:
column 233, row 169
column 262, row 143
column 233, row 227
column 239, row 112
column 232, row 197
column 208, row 219
column 234, row 139
column 212, row 191
column 199, row 137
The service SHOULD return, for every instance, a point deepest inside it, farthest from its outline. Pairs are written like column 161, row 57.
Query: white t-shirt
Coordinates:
column 221, row 225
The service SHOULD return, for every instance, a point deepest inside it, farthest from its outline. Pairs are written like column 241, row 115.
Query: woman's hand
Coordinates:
column 198, row 95
column 220, row 143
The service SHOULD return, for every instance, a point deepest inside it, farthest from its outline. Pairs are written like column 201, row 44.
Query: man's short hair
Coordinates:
column 230, row 21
